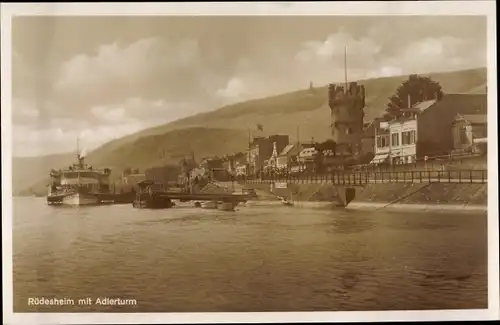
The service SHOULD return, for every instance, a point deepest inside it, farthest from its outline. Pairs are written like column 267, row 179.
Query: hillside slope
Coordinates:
column 28, row 170
column 307, row 109
column 208, row 133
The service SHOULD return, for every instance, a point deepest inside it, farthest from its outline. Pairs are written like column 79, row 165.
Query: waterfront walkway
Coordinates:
column 362, row 178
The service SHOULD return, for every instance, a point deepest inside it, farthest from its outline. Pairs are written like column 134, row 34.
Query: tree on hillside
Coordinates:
column 416, row 89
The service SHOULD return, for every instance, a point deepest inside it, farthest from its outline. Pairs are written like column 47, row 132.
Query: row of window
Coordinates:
column 407, row 138
column 84, row 185
column 383, row 141
column 404, row 160
column 395, row 139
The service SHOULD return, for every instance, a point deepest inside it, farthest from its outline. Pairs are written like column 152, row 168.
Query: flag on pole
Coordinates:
column 260, row 127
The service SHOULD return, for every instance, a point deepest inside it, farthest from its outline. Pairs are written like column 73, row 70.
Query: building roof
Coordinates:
column 402, row 119
column 308, row 152
column 371, row 127
column 287, row 149
column 277, row 136
column 257, row 140
column 368, row 126
column 454, row 104
column 294, row 149
column 463, row 104
column 132, row 176
column 422, row 106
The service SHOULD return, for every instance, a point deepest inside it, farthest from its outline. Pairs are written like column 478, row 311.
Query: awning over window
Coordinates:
column 379, row 158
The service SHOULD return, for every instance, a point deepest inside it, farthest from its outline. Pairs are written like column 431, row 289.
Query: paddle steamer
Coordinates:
column 79, row 184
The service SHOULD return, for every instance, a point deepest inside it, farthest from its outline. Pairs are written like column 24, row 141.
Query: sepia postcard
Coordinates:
column 249, row 162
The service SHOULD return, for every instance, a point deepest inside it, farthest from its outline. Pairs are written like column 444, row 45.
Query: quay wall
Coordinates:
column 395, row 193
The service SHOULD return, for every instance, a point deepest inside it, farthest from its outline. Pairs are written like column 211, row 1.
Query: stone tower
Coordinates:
column 347, row 114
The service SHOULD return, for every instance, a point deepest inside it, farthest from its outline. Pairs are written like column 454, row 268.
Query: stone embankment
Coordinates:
column 396, row 195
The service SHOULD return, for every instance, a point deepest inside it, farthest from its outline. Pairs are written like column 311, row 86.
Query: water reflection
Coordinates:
column 349, row 223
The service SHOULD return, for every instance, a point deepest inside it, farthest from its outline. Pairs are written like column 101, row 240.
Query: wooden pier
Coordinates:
column 152, row 197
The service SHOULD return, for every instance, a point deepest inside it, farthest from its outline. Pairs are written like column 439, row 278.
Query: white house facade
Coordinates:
column 403, row 136
column 382, row 144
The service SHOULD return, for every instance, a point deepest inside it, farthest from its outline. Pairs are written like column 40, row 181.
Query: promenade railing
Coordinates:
column 361, row 178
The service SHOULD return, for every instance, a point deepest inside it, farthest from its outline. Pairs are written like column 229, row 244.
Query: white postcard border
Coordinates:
column 486, row 8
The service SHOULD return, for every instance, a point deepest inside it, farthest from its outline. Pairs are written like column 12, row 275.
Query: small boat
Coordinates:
column 250, row 192
column 225, row 206
column 148, row 196
column 287, row 202
column 209, row 205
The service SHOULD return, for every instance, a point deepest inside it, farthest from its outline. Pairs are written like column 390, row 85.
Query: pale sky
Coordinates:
column 105, row 77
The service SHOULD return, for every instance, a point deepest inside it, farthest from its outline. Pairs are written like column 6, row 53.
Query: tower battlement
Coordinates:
column 337, row 96
column 347, row 113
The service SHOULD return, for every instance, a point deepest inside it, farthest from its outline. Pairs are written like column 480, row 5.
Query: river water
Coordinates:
column 258, row 258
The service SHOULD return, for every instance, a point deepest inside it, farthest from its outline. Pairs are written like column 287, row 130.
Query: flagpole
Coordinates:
column 248, row 152
column 345, row 67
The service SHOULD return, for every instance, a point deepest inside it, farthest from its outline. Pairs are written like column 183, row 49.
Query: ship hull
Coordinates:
column 74, row 199
column 148, row 202
column 209, row 205
column 226, row 206
column 79, row 199
column 79, row 185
